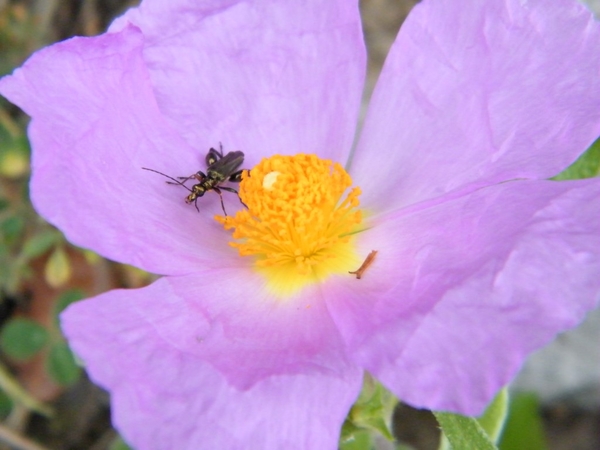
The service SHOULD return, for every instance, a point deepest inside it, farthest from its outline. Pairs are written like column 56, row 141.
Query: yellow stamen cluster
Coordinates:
column 297, row 226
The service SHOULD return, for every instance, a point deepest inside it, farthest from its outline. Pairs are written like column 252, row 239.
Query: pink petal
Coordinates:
column 462, row 292
column 226, row 318
column 165, row 398
column 253, row 335
column 479, row 94
column 266, row 77
column 95, row 125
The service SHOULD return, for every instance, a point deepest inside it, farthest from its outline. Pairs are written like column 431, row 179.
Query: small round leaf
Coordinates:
column 68, row 297
column 62, row 366
column 39, row 244
column 22, row 338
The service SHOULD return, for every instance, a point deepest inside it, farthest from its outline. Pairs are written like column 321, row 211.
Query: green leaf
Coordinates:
column 14, row 158
column 6, row 405
column 66, row 298
column 495, row 415
column 12, row 227
column 9, row 277
column 524, row 427
column 372, row 411
column 62, row 366
column 19, row 395
column 464, row 433
column 39, row 244
column 23, row 338
column 359, row 440
column 586, row 166
column 118, row 444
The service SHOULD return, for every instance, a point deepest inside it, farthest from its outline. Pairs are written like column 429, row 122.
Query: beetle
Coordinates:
column 219, row 169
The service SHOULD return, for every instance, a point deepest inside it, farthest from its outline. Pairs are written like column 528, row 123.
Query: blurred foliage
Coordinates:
column 6, row 405
column 61, row 364
column 494, row 417
column 357, row 440
column 40, row 272
column 483, row 432
column 24, row 236
column 65, row 299
column 119, row 444
column 19, row 35
column 22, row 339
column 58, row 268
column 524, row 425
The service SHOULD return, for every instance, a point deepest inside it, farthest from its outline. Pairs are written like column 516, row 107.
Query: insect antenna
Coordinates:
column 170, row 178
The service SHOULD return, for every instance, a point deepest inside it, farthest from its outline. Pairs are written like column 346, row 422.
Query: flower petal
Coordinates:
column 265, row 77
column 165, row 398
column 252, row 335
column 226, row 318
column 95, row 125
column 462, row 292
column 480, row 94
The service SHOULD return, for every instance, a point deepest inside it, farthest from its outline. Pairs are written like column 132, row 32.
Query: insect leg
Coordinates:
column 218, row 191
column 228, row 189
column 236, row 177
column 198, row 176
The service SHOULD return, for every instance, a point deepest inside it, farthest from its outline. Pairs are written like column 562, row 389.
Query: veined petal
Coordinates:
column 253, row 334
column 95, row 124
column 166, row 398
column 463, row 291
column 265, row 77
column 226, row 318
column 484, row 93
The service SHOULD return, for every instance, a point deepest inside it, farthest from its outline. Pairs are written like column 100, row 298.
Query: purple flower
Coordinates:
column 480, row 259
